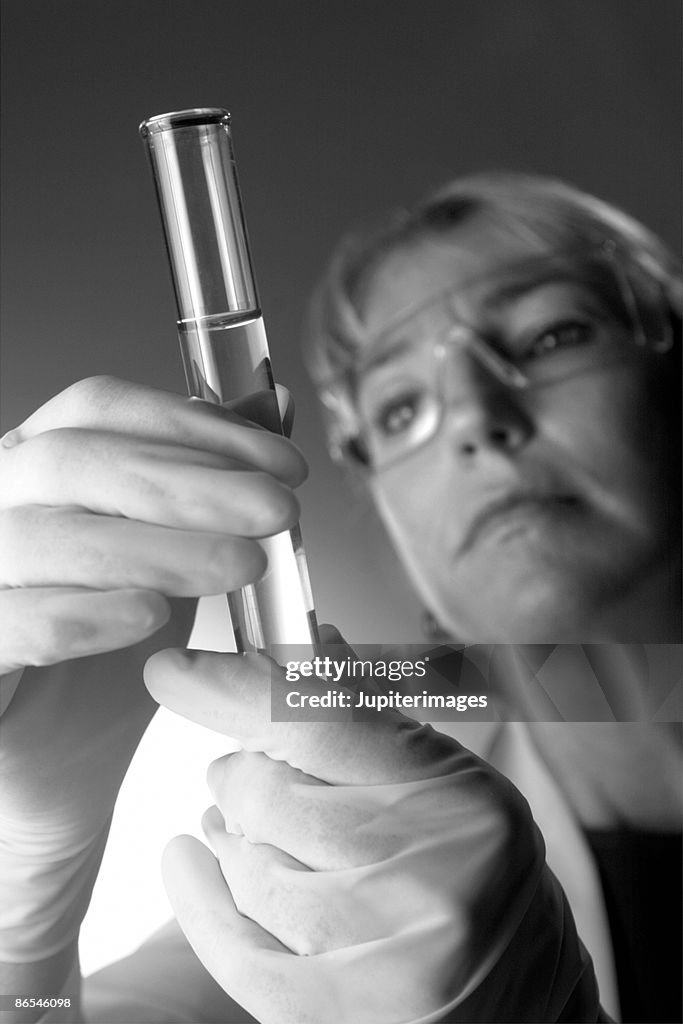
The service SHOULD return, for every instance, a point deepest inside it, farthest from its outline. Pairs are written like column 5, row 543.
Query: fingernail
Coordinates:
column 10, row 439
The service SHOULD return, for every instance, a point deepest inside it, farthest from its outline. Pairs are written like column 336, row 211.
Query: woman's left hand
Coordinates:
column 366, row 872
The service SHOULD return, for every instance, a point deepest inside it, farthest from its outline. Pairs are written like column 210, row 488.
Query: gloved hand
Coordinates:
column 119, row 505
column 369, row 872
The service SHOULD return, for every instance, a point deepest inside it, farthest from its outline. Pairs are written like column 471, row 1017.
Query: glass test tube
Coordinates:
column 222, row 336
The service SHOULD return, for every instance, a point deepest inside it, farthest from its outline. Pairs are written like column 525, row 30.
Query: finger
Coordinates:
column 45, row 547
column 258, row 877
column 110, row 405
column 164, row 484
column 9, row 681
column 232, row 694
column 274, row 413
column 324, row 827
column 44, row 626
column 287, row 409
column 250, row 964
column 305, row 910
column 330, row 636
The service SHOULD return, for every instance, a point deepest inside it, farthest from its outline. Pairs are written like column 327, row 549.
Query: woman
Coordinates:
column 499, row 367
column 535, row 370
column 502, row 366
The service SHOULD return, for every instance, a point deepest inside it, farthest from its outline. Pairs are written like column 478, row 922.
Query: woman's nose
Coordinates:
column 482, row 413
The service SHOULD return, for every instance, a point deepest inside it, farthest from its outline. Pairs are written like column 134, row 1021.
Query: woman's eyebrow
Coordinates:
column 388, row 353
column 502, row 293
column 510, row 291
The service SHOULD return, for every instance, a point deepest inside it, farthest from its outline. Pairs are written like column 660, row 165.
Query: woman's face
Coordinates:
column 533, row 515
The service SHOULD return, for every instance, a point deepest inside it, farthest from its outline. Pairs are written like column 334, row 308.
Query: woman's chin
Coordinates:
column 535, row 609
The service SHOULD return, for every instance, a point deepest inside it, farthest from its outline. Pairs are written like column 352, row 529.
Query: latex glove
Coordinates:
column 118, row 506
column 365, row 872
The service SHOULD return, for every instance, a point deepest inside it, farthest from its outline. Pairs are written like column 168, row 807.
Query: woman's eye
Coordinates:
column 397, row 414
column 568, row 334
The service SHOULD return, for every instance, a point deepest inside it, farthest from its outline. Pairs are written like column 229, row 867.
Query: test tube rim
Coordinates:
column 184, row 119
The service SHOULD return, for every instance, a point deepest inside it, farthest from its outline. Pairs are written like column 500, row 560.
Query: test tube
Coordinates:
column 222, row 336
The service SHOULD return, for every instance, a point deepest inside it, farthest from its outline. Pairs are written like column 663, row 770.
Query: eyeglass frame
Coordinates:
column 607, row 251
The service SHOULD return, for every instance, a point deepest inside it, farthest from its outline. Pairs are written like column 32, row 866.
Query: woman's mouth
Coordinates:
column 514, row 512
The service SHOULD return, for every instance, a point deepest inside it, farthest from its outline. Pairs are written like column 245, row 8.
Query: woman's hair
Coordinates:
column 549, row 214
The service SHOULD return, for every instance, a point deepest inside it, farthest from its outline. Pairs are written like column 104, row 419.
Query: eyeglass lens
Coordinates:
column 531, row 328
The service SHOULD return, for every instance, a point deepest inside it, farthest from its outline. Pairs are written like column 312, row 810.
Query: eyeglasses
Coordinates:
column 529, row 326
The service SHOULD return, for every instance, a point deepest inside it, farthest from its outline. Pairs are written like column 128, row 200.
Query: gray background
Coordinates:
column 341, row 109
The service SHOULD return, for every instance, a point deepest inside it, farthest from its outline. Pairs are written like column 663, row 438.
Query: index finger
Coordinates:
column 231, row 694
column 118, row 406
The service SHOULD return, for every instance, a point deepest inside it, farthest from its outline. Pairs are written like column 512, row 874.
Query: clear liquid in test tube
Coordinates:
column 223, row 339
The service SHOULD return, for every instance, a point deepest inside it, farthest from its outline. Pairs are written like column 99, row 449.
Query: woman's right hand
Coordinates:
column 119, row 505
column 115, row 497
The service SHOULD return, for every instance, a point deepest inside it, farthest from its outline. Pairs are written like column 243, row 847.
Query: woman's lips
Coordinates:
column 511, row 509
